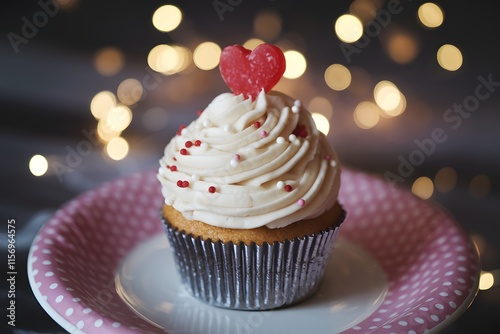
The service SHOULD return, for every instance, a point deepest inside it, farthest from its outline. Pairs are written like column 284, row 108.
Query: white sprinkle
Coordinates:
column 280, row 140
column 296, row 142
column 227, row 127
column 206, row 123
column 184, row 132
column 195, row 177
column 333, row 163
column 297, row 103
column 234, row 162
column 204, row 146
column 295, row 109
column 280, row 184
column 292, row 138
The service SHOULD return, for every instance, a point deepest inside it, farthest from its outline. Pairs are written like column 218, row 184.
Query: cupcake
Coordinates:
column 250, row 188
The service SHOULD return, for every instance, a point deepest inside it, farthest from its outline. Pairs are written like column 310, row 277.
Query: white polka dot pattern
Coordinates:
column 430, row 263
column 74, row 255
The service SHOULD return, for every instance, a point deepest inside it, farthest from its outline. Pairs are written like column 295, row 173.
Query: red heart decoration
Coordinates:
column 248, row 72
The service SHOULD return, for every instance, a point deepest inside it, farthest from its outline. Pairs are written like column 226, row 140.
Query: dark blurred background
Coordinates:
column 81, row 89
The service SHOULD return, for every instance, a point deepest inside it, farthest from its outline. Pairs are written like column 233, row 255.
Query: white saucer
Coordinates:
column 353, row 288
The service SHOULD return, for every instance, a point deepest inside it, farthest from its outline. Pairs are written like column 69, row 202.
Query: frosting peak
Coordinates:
column 245, row 164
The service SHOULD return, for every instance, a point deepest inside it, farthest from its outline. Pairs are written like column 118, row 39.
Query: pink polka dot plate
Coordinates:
column 102, row 264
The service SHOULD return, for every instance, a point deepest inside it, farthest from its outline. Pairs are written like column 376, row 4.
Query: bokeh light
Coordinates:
column 118, row 118
column 129, row 91
column 338, row 77
column 117, row 148
column 486, row 280
column 423, row 187
column 206, row 55
column 389, row 98
column 296, row 64
column 252, row 43
column 166, row 18
column 101, row 103
column 158, row 58
column 67, row 4
column 322, row 123
column 449, row 57
column 185, row 58
column 109, row 61
column 169, row 59
column 480, row 186
column 366, row 115
column 445, row 179
column 365, row 10
column 38, row 165
column 348, row 28
column 104, row 133
column 321, row 105
column 430, row 15
column 267, row 25
column 402, row 47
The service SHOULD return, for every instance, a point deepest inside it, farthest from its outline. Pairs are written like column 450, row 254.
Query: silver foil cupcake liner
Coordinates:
column 252, row 277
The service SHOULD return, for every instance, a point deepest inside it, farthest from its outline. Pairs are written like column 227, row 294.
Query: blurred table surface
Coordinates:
column 47, row 85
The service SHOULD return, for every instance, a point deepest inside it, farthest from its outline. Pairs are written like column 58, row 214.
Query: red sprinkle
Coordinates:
column 300, row 131
column 328, row 157
column 288, row 188
column 173, row 168
column 301, row 202
column 197, row 143
column 183, row 151
column 182, row 183
column 257, row 124
column 199, row 112
column 188, row 144
column 211, row 189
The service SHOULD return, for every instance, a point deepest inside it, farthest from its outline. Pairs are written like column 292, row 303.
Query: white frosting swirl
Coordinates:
column 240, row 165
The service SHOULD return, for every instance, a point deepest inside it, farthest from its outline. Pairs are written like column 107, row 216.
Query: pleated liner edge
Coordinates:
column 252, row 277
